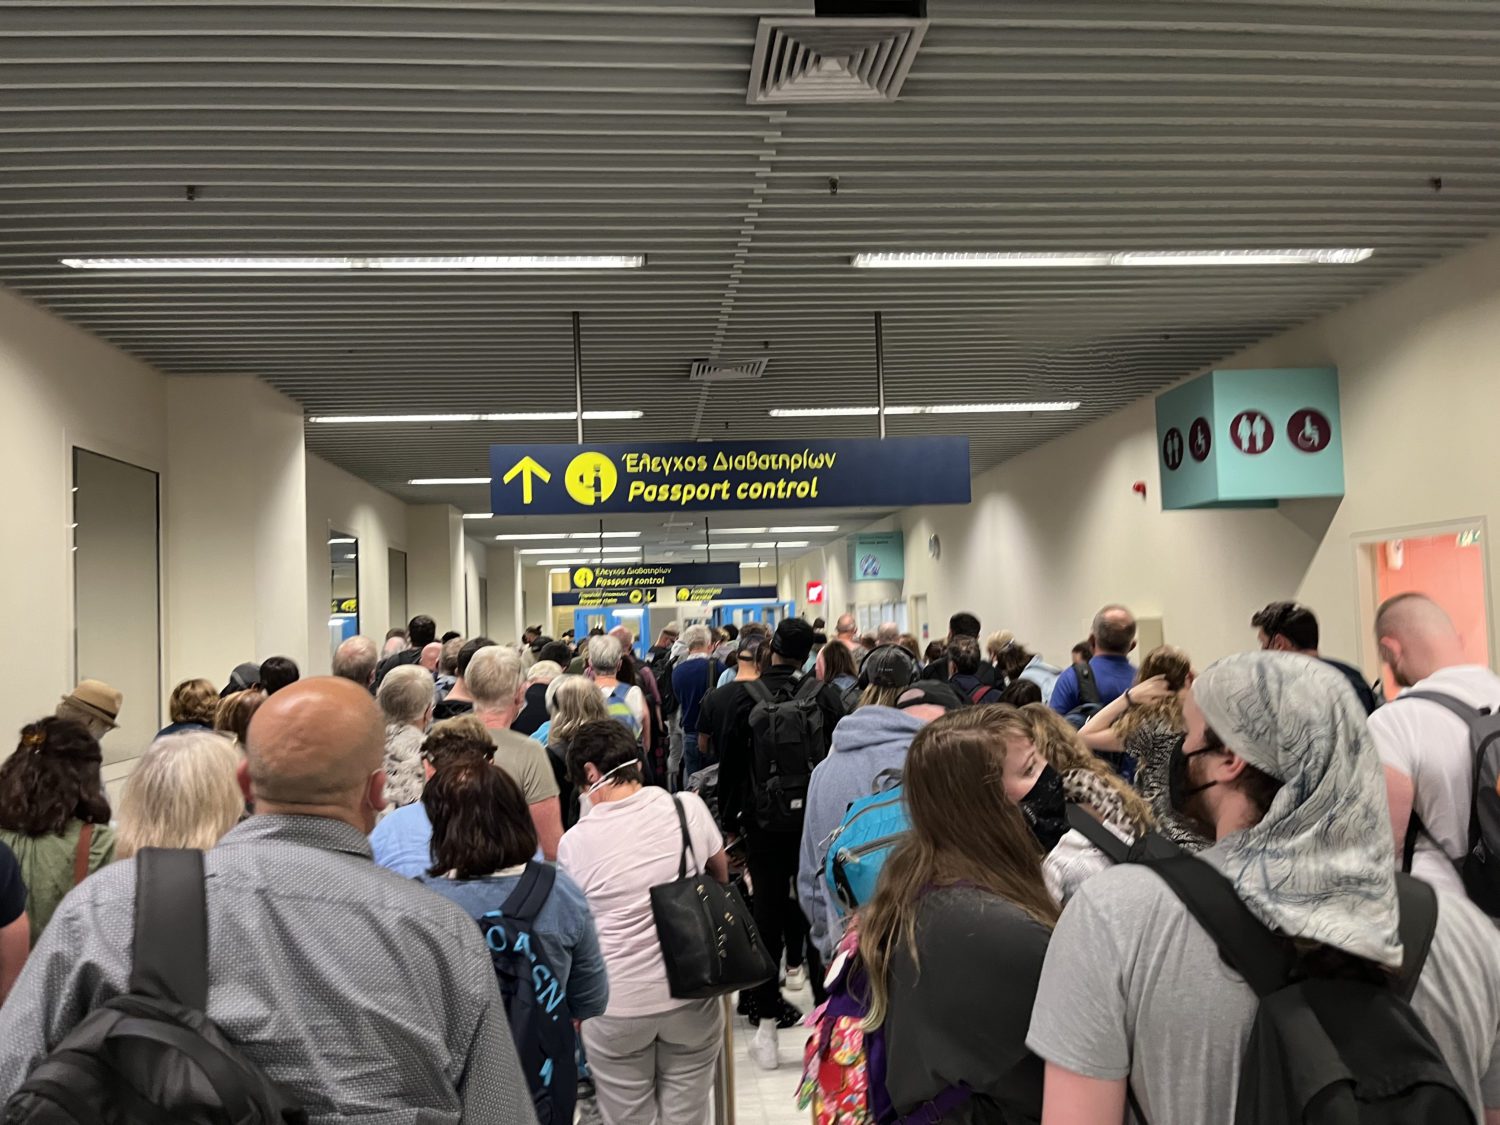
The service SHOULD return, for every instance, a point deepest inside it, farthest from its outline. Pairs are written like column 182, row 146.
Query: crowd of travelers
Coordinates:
column 437, row 885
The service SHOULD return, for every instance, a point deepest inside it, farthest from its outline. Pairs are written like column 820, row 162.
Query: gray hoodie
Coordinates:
column 865, row 745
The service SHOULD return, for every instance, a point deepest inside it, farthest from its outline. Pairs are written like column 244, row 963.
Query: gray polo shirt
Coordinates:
column 1133, row 987
column 364, row 994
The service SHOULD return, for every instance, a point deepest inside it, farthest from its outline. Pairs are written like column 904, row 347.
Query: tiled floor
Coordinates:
column 769, row 1097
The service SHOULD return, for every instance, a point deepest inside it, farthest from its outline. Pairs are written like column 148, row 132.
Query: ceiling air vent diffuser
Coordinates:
column 833, row 59
column 707, row 371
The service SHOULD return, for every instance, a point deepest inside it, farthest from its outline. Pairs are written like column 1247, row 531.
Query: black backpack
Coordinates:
column 786, row 741
column 1325, row 1050
column 152, row 1055
column 1480, row 866
column 661, row 665
column 535, row 1002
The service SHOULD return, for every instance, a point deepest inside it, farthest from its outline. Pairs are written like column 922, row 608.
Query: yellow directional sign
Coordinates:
column 527, row 468
column 637, row 597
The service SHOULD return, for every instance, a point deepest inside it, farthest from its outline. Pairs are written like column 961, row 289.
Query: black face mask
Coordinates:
column 1179, row 790
column 1046, row 808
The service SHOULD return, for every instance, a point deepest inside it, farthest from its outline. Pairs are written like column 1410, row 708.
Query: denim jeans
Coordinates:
column 692, row 761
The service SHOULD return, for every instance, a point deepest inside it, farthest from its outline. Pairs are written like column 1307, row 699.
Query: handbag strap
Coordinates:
column 81, row 853
column 687, row 842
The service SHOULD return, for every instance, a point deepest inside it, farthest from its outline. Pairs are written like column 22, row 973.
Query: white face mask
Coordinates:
column 604, row 779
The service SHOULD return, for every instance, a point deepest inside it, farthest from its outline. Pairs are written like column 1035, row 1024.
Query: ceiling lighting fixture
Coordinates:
column 331, row 542
column 522, row 262
column 478, row 516
column 449, row 480
column 943, row 260
column 567, row 562
column 553, row 551
column 536, row 536
column 782, row 545
column 523, row 416
column 737, row 531
column 606, row 535
column 810, row 529
column 938, row 408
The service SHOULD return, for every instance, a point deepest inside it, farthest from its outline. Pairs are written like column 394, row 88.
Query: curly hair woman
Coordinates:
column 53, row 812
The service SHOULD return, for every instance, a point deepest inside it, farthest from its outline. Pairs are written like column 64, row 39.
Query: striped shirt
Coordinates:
column 366, row 996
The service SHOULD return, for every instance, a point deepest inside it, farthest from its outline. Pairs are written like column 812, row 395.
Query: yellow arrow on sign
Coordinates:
column 528, row 468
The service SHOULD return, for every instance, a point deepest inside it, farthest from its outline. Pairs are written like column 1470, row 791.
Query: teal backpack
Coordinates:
column 866, row 836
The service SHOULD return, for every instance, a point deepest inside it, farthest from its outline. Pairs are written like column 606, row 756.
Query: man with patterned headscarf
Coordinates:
column 1279, row 767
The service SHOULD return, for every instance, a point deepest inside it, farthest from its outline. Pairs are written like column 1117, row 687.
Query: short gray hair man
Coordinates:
column 406, row 695
column 605, row 655
column 1114, row 630
column 889, row 633
column 697, row 638
column 355, row 660
column 495, row 679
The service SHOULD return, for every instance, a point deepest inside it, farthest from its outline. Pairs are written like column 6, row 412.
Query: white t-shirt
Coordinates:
column 617, row 853
column 1430, row 744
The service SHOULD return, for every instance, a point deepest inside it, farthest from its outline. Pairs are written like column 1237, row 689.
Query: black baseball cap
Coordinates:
column 793, row 639
column 930, row 693
column 889, row 666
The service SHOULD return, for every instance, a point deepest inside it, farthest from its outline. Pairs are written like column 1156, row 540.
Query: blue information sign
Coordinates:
column 551, row 480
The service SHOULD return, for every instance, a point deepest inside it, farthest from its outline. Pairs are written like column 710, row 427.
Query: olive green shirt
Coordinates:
column 47, row 866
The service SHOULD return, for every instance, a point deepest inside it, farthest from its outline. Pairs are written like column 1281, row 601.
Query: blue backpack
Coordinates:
column 858, row 848
column 535, row 1003
column 616, row 703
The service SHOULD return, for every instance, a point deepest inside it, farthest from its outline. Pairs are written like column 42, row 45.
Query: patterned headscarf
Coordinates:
column 1318, row 866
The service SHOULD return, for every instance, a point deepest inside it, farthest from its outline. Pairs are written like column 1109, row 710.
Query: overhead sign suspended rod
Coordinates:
column 578, row 374
column 879, row 374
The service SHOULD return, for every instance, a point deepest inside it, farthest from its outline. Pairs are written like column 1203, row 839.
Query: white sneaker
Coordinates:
column 765, row 1047
column 796, row 979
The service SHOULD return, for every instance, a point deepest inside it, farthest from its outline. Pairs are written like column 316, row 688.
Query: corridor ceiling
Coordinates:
column 591, row 126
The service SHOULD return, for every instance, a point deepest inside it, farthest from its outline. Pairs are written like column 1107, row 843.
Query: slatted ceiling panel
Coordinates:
column 326, row 126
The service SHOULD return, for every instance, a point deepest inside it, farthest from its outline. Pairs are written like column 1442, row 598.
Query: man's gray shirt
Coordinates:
column 366, row 996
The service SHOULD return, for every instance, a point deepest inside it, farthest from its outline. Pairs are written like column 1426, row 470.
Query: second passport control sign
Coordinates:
column 554, row 480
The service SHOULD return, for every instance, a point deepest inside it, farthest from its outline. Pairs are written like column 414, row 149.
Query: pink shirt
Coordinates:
column 617, row 853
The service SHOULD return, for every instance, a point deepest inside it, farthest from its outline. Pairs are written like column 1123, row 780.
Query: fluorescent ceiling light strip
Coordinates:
column 333, row 263
column 936, row 408
column 553, row 551
column 606, row 535
column 449, row 480
column 537, row 537
column 783, row 544
column 810, row 529
column 331, row 542
column 522, row 416
column 737, row 531
column 1342, row 256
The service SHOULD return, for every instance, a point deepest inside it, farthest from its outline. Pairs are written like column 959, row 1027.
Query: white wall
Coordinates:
column 236, row 504
column 59, row 387
column 339, row 501
column 475, row 568
column 435, row 564
column 1056, row 532
column 503, row 567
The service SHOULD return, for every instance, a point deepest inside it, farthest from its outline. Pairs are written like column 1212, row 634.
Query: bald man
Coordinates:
column 431, row 655
column 361, row 993
column 1113, row 640
column 1425, row 747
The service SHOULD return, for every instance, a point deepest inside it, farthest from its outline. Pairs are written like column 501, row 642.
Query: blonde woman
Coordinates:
column 962, row 894
column 1087, row 782
column 572, row 701
column 183, row 793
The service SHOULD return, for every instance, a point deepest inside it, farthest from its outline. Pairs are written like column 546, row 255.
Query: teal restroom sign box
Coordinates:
column 877, row 557
column 1250, row 438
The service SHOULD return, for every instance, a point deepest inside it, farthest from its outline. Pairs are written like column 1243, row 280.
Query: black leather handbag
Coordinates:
column 708, row 939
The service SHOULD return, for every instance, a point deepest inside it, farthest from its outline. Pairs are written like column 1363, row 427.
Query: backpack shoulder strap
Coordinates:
column 1419, row 912
column 1095, row 833
column 807, row 687
column 531, row 893
column 759, row 692
column 1245, row 944
column 1468, row 714
column 169, row 956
